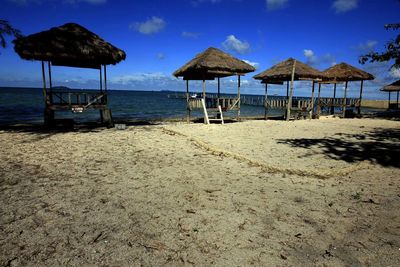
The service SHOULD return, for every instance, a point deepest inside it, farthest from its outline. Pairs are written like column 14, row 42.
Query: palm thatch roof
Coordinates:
column 68, row 45
column 212, row 63
column 346, row 72
column 283, row 72
column 393, row 87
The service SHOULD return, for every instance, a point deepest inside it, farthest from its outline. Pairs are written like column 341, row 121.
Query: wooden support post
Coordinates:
column 204, row 89
column 333, row 101
column 344, row 100
column 203, row 103
column 312, row 100
column 397, row 99
column 105, row 78
column 265, row 101
column 361, row 90
column 101, row 81
column 287, row 90
column 187, row 102
column 389, row 101
column 44, row 84
column 104, row 99
column 238, row 95
column 49, row 67
column 219, row 89
column 319, row 102
column 289, row 104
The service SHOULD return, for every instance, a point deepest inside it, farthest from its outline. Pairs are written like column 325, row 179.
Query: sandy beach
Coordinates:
column 267, row 193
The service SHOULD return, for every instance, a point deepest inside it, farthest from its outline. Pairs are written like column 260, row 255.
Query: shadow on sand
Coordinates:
column 380, row 146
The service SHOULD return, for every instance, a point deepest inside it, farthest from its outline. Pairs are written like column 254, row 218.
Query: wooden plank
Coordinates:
column 291, row 92
column 361, row 91
column 187, row 102
column 312, row 99
column 206, row 120
column 44, row 85
column 266, row 103
column 344, row 100
column 238, row 95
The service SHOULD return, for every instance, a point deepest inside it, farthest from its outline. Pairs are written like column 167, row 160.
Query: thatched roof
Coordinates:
column 68, row 45
column 212, row 63
column 346, row 72
column 393, row 87
column 283, row 72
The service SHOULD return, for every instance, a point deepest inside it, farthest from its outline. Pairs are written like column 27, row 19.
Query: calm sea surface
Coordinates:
column 19, row 105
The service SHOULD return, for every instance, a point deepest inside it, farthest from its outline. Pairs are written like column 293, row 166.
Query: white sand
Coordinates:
column 266, row 193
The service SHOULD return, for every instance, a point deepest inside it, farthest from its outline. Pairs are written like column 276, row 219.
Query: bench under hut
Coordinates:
column 208, row 65
column 289, row 71
column 71, row 45
column 393, row 87
column 343, row 73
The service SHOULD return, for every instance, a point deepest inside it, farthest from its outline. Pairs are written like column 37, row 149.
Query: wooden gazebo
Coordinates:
column 393, row 87
column 287, row 71
column 208, row 65
column 343, row 73
column 70, row 45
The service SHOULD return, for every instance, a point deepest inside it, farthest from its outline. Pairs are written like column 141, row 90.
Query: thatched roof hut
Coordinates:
column 283, row 72
column 344, row 72
column 212, row 63
column 393, row 87
column 208, row 65
column 68, row 45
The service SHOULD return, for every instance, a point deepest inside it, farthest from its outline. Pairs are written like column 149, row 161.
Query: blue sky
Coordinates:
column 160, row 36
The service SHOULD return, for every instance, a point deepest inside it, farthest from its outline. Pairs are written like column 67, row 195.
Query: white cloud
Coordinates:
column 311, row 58
column 366, row 47
column 395, row 73
column 161, row 56
column 317, row 61
column 152, row 77
column 193, row 35
column 342, row 6
column 254, row 64
column 236, row 45
column 276, row 4
column 150, row 26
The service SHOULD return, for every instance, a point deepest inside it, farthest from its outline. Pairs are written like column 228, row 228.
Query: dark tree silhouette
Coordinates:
column 7, row 29
column 392, row 50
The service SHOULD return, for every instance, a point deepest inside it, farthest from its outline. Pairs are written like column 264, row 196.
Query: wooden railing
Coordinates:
column 83, row 99
column 338, row 102
column 226, row 103
column 302, row 104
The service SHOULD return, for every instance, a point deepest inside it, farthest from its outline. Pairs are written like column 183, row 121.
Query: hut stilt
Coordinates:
column 187, row 102
column 319, row 100
column 289, row 103
column 333, row 100
column 266, row 101
column 312, row 100
column 238, row 97
column 344, row 100
column 361, row 91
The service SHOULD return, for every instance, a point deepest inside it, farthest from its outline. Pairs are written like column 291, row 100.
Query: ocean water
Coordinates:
column 26, row 105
